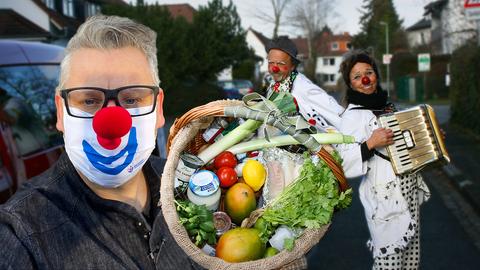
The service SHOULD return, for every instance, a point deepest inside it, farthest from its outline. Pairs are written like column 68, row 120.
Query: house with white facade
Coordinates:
column 258, row 42
column 46, row 20
column 419, row 34
column 330, row 49
column 450, row 28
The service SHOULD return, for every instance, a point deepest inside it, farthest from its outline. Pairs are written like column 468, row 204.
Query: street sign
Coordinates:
column 471, row 3
column 387, row 59
column 423, row 62
column 472, row 9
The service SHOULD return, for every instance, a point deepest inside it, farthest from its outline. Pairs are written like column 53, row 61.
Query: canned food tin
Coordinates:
column 187, row 165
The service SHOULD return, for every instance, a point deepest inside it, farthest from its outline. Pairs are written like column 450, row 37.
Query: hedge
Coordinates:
column 465, row 87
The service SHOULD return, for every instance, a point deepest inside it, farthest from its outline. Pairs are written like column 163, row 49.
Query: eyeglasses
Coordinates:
column 279, row 63
column 84, row 102
column 357, row 76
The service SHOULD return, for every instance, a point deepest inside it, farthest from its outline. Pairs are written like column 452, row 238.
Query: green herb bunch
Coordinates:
column 198, row 221
column 310, row 201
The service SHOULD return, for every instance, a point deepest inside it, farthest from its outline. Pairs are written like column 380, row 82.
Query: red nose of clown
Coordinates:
column 275, row 69
column 111, row 124
column 365, row 80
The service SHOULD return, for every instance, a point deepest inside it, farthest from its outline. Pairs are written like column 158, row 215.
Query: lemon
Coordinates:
column 254, row 174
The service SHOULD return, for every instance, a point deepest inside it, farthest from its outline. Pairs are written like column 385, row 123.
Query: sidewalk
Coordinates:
column 464, row 169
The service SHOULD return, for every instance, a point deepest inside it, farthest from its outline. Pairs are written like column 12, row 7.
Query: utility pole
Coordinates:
column 387, row 45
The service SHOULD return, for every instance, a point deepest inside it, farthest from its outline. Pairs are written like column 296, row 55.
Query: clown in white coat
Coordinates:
column 316, row 106
column 391, row 202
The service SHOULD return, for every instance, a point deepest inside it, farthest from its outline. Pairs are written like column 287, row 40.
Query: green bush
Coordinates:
column 180, row 99
column 465, row 87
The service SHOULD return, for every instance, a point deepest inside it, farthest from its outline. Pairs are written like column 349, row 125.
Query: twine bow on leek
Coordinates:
column 278, row 111
column 280, row 107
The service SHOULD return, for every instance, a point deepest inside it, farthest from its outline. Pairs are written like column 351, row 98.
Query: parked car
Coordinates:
column 235, row 89
column 29, row 140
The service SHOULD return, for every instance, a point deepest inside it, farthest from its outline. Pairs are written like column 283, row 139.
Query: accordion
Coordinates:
column 417, row 139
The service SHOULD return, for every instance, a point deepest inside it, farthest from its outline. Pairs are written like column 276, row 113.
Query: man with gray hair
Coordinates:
column 97, row 207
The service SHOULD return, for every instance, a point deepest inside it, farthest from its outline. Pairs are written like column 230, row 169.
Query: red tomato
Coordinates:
column 227, row 176
column 225, row 159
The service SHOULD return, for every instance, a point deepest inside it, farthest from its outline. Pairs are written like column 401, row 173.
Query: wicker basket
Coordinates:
column 184, row 135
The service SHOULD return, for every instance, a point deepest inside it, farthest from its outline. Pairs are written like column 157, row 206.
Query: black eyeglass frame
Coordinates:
column 109, row 95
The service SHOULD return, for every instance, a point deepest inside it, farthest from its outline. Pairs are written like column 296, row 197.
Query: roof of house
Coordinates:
column 324, row 44
column 260, row 36
column 181, row 10
column 421, row 24
column 302, row 46
column 435, row 7
column 14, row 25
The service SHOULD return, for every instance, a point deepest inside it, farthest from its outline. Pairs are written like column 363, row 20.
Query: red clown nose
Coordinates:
column 365, row 80
column 111, row 124
column 275, row 69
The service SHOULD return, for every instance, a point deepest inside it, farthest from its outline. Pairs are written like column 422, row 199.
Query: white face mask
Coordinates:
column 109, row 168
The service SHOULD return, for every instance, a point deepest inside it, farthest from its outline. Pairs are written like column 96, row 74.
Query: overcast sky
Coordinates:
column 347, row 20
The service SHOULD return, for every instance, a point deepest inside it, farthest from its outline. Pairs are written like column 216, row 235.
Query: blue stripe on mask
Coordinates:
column 98, row 159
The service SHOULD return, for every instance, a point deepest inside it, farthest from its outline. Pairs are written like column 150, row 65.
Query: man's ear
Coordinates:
column 59, row 106
column 160, row 117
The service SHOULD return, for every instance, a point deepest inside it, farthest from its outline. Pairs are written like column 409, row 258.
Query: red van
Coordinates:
column 29, row 141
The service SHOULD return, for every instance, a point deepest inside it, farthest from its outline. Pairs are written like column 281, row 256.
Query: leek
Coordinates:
column 321, row 138
column 232, row 138
column 283, row 102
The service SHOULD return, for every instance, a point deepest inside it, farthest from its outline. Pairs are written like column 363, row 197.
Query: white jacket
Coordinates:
column 315, row 103
column 386, row 209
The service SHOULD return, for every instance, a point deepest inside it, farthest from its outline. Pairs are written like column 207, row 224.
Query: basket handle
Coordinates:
column 216, row 108
column 337, row 170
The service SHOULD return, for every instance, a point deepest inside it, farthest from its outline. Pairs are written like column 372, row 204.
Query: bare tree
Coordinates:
column 278, row 7
column 310, row 17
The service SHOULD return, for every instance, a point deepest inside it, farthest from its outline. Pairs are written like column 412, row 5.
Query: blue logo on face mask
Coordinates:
column 98, row 160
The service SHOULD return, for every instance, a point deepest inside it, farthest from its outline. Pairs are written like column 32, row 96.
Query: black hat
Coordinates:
column 283, row 43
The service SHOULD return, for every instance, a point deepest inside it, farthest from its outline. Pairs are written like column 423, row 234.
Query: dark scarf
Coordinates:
column 376, row 102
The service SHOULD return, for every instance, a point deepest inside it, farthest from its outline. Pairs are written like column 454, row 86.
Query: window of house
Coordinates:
column 335, row 46
column 68, row 8
column 49, row 3
column 328, row 61
column 91, row 9
column 332, row 77
column 325, row 77
column 349, row 45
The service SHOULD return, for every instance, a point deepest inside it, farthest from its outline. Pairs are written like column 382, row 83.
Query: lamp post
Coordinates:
column 387, row 52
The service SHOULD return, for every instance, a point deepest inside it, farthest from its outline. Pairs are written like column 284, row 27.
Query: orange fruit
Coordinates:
column 240, row 245
column 239, row 202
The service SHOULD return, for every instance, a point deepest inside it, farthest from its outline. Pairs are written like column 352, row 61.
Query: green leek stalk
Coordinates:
column 233, row 137
column 255, row 115
column 321, row 138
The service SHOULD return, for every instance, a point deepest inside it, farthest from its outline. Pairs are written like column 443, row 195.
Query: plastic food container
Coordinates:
column 204, row 188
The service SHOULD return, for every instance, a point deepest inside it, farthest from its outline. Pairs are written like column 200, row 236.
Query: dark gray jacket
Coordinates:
column 56, row 222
